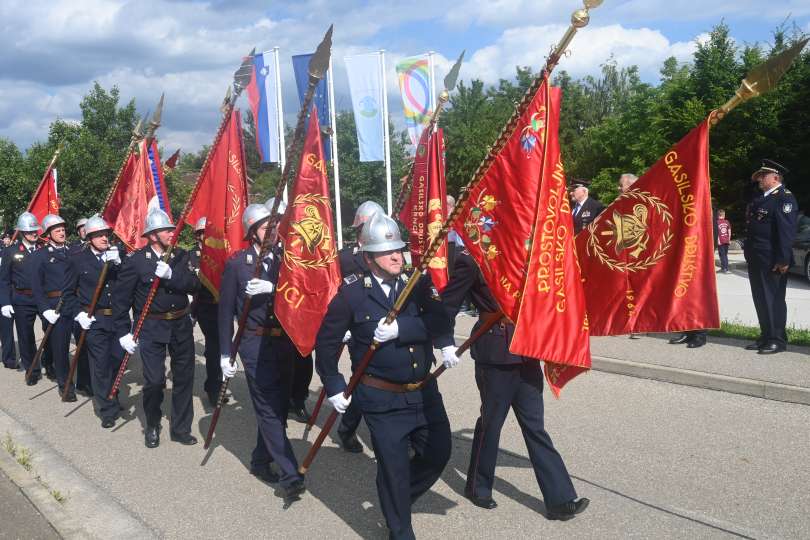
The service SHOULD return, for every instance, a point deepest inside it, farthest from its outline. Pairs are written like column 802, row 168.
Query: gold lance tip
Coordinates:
column 579, row 19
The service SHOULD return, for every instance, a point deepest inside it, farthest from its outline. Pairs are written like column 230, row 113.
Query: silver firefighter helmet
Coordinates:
column 200, row 225
column 157, row 220
column 82, row 223
column 96, row 224
column 254, row 214
column 27, row 222
column 282, row 206
column 364, row 213
column 50, row 221
column 380, row 233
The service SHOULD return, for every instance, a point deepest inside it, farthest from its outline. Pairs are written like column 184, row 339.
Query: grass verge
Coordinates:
column 735, row 329
column 24, row 456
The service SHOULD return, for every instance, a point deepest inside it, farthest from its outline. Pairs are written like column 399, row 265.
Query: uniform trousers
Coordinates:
column 302, row 377
column 207, row 319
column 269, row 368
column 24, row 317
column 518, row 387
column 58, row 347
column 104, row 355
column 153, row 342
column 7, row 342
column 83, row 375
column 768, row 291
column 397, row 422
column 350, row 420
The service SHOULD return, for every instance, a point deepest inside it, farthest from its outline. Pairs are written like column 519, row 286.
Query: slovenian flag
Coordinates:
column 263, row 103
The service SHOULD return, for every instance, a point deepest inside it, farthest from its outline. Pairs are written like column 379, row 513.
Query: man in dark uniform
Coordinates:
column 267, row 353
column 204, row 311
column 771, row 219
column 103, row 350
column 16, row 296
column 167, row 325
column 7, row 345
column 402, row 406
column 83, row 384
column 585, row 209
column 49, row 269
column 507, row 381
column 352, row 264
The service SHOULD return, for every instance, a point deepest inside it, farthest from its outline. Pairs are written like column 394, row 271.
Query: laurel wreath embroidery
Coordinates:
column 594, row 248
column 236, row 209
column 291, row 259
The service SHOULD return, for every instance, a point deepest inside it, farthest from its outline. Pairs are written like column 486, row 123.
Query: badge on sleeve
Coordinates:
column 787, row 207
column 367, row 282
column 148, row 254
column 351, row 278
column 249, row 258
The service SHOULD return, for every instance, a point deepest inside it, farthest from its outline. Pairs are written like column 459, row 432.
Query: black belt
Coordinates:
column 168, row 315
column 274, row 331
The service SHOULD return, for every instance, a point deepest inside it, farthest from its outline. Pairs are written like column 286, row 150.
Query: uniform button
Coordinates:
column 414, row 364
column 367, row 317
column 410, row 349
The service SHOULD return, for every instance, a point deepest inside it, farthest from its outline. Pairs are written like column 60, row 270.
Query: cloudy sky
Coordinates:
column 52, row 50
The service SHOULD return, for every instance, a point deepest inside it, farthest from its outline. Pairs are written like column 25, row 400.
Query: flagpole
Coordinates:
column 386, row 141
column 333, row 144
column 282, row 150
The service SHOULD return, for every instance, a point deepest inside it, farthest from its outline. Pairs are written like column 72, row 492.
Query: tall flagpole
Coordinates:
column 386, row 141
column 333, row 144
column 282, row 150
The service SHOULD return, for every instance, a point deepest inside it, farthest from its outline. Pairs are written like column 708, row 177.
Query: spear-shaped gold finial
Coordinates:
column 763, row 78
column 154, row 123
column 579, row 19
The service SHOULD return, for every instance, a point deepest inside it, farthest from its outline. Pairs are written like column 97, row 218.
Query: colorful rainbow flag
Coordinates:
column 417, row 99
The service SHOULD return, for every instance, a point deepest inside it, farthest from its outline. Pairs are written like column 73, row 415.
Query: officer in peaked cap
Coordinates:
column 584, row 208
column 352, row 263
column 506, row 381
column 267, row 353
column 167, row 325
column 401, row 404
column 103, row 350
column 771, row 220
column 49, row 268
column 204, row 311
column 16, row 296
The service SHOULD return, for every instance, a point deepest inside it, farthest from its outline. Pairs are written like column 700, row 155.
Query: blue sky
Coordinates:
column 52, row 51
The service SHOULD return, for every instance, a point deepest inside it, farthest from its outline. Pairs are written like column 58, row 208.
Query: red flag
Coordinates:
column 138, row 190
column 46, row 198
column 517, row 225
column 426, row 208
column 553, row 290
column 225, row 183
column 310, row 273
column 648, row 259
column 171, row 163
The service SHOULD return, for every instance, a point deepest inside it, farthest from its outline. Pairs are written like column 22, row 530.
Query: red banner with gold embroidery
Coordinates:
column 46, row 198
column 310, row 272
column 648, row 260
column 552, row 323
column 129, row 204
column 222, row 199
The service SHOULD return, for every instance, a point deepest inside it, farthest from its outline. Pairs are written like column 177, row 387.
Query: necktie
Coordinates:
column 577, row 208
column 392, row 290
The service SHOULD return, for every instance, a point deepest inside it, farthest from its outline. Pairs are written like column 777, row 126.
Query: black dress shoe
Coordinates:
column 771, row 348
column 350, row 443
column 566, row 511
column 107, row 423
column 683, row 338
column 294, row 490
column 265, row 474
column 152, row 436
column 50, row 373
column 69, row 398
column 33, row 379
column 695, row 342
column 188, row 439
column 755, row 346
column 84, row 390
column 487, row 503
column 298, row 412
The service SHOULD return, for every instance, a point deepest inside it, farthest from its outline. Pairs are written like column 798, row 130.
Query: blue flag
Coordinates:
column 366, row 87
column 320, row 99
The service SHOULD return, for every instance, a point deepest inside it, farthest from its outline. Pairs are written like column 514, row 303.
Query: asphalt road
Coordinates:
column 656, row 460
column 18, row 517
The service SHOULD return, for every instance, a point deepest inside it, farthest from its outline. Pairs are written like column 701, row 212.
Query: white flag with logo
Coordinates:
column 365, row 85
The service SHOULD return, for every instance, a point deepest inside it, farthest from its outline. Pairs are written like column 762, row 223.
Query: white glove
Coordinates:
column 84, row 320
column 51, row 316
column 347, row 336
column 7, row 311
column 258, row 286
column 449, row 358
column 340, row 403
column 386, row 332
column 128, row 343
column 111, row 256
column 228, row 370
column 163, row 270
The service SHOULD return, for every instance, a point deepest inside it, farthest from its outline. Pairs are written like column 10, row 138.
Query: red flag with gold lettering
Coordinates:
column 517, row 223
column 310, row 272
column 426, row 208
column 648, row 259
column 46, row 199
column 222, row 198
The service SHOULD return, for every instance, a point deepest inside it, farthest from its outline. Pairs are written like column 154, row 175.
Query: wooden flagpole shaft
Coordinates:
column 39, row 186
column 318, row 404
column 490, row 321
column 41, row 347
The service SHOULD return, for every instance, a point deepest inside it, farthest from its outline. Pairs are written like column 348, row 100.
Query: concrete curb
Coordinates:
column 711, row 381
column 64, row 525
column 88, row 512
